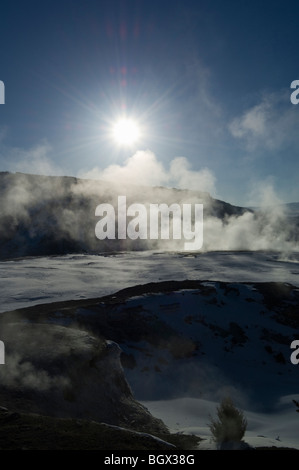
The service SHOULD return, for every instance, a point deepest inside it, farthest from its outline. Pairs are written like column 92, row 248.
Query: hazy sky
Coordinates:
column 208, row 81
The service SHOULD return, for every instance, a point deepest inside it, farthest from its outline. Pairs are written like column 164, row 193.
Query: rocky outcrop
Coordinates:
column 67, row 372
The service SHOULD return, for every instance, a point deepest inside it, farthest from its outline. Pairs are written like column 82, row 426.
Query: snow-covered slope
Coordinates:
column 32, row 281
column 227, row 330
column 276, row 429
column 194, row 342
column 208, row 340
column 192, row 327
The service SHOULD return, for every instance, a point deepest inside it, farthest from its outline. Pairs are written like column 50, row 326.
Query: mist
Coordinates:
column 45, row 215
column 27, row 348
column 24, row 375
column 225, row 227
column 143, row 168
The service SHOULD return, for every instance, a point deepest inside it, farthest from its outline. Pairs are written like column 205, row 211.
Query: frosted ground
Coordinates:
column 32, row 281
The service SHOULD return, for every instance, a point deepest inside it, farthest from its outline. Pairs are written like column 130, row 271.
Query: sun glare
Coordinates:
column 126, row 131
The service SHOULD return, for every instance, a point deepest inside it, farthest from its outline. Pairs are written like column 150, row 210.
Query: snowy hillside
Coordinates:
column 185, row 343
column 188, row 327
column 44, row 215
column 47, row 215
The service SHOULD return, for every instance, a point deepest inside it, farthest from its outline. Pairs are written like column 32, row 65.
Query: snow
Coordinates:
column 32, row 281
column 243, row 371
column 192, row 416
column 142, row 434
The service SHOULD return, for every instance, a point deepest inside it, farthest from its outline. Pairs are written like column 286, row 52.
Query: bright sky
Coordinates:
column 205, row 80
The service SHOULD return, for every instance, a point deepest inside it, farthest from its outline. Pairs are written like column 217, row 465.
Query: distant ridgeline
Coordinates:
column 50, row 215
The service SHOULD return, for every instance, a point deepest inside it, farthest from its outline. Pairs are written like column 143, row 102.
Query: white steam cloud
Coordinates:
column 271, row 124
column 144, row 169
column 23, row 374
column 28, row 204
column 35, row 160
column 267, row 228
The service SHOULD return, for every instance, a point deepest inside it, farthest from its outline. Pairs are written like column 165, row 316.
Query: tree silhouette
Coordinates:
column 296, row 404
column 231, row 424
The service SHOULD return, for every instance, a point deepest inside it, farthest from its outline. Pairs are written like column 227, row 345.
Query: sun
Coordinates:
column 126, row 131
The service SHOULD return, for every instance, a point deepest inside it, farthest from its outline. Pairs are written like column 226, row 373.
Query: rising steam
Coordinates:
column 50, row 215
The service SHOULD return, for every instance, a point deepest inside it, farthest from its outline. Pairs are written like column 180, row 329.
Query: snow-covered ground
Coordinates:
column 33, row 281
column 192, row 416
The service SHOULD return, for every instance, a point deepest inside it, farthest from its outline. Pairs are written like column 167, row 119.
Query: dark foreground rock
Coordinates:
column 20, row 431
column 66, row 372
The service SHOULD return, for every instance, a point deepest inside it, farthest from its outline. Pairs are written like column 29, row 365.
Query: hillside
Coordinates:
column 108, row 334
column 175, row 339
column 50, row 215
